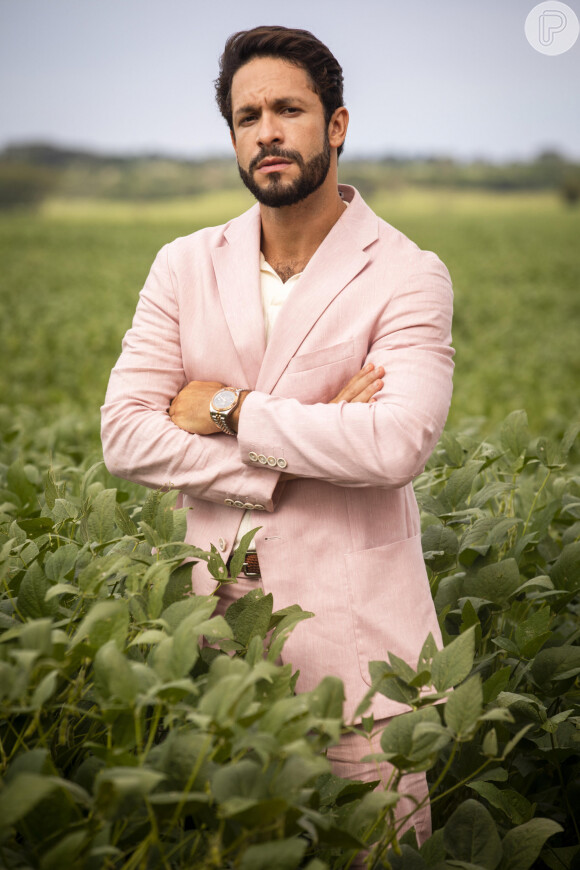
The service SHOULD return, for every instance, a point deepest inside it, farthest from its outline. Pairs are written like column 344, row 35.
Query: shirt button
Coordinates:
column 248, row 506
column 262, row 459
column 271, row 460
column 239, row 504
column 281, row 463
column 221, row 544
column 253, row 456
column 229, row 502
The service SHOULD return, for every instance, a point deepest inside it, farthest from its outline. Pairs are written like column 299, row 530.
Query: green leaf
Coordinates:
column 288, row 617
column 21, row 795
column 281, row 854
column 533, row 632
column 397, row 739
column 453, row 663
column 522, row 845
column 565, row 572
column 115, row 783
column 65, row 853
column 464, row 707
column 515, row 435
column 460, row 482
column 179, row 584
column 32, row 594
column 249, row 616
column 240, row 552
column 58, row 564
column 327, row 699
column 569, row 438
column 363, row 819
column 106, row 620
column 52, row 489
column 470, row 835
column 387, row 683
column 44, row 691
column 409, row 859
column 101, row 519
column 515, row 806
column 496, row 684
column 20, row 485
column 113, row 675
column 489, row 745
column 495, row 582
column 551, row 666
column 124, row 521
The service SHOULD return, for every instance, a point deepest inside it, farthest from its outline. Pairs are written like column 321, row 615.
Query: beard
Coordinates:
column 277, row 193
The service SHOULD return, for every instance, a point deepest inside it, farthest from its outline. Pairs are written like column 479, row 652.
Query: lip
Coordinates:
column 273, row 164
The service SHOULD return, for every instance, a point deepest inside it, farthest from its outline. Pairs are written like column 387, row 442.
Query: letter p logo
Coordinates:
column 552, row 27
column 550, row 22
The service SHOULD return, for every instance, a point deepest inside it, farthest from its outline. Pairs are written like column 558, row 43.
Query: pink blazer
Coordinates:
column 343, row 541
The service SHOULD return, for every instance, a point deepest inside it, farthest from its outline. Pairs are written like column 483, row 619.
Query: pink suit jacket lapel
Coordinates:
column 340, row 258
column 237, row 269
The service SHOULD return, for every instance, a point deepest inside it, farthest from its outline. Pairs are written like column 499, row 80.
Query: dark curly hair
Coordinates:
column 299, row 47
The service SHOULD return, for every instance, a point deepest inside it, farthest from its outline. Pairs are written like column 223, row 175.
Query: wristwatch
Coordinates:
column 222, row 406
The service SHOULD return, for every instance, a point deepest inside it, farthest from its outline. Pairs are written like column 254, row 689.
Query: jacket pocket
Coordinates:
column 323, row 357
column 391, row 603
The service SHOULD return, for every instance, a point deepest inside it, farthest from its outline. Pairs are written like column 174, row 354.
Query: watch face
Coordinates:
column 224, row 400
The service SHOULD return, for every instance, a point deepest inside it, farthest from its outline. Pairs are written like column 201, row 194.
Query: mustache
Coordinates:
column 274, row 151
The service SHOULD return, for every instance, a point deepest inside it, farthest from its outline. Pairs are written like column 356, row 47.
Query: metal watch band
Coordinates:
column 220, row 418
column 220, row 421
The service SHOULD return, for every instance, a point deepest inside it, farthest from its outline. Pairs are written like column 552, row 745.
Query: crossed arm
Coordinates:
column 189, row 410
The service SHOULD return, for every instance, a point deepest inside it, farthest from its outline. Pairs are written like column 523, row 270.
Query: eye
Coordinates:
column 290, row 110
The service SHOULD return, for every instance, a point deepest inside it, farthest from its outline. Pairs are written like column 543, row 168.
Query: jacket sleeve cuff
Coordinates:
column 255, row 450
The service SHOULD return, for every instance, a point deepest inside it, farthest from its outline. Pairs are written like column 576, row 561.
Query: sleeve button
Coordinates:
column 229, row 502
column 253, row 456
column 262, row 459
column 239, row 504
column 271, row 460
column 259, row 507
column 281, row 463
column 248, row 506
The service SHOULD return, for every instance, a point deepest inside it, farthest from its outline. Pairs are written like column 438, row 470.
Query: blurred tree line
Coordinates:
column 33, row 171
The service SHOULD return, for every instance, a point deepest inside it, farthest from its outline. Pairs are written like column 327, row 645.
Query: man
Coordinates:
column 292, row 370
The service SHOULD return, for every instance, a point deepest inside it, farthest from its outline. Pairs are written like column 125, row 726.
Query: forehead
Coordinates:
column 267, row 79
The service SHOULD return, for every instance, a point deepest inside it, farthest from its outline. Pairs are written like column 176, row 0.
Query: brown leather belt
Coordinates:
column 251, row 566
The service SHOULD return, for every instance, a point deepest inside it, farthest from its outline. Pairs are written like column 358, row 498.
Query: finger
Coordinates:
column 367, row 394
column 360, row 382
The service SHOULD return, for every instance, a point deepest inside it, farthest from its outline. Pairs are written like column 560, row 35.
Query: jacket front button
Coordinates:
column 282, row 463
column 221, row 544
column 253, row 456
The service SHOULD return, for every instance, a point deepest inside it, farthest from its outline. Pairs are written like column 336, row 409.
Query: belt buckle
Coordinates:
column 245, row 567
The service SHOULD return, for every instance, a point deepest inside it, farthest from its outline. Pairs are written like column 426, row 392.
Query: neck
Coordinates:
column 291, row 234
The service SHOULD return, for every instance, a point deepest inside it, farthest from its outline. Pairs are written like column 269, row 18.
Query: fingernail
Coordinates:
column 369, row 367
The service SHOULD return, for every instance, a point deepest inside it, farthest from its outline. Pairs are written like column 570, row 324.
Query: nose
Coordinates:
column 268, row 131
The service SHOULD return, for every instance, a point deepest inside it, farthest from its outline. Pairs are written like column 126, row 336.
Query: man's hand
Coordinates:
column 190, row 408
column 362, row 386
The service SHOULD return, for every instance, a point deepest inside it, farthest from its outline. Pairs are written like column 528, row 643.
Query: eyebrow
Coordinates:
column 278, row 103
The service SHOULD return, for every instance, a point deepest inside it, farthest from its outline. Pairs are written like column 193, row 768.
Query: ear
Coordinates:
column 337, row 127
column 233, row 138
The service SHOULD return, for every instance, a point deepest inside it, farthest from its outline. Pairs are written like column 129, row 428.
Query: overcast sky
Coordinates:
column 454, row 77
